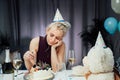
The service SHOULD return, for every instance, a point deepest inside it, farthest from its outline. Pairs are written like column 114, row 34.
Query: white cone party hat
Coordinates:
column 100, row 42
column 58, row 17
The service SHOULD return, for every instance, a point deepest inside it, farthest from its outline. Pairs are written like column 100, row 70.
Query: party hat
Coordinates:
column 100, row 42
column 58, row 17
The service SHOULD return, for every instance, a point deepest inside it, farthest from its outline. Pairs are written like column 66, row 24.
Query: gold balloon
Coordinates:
column 115, row 6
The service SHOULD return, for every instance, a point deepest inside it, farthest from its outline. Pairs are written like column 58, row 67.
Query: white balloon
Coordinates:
column 115, row 4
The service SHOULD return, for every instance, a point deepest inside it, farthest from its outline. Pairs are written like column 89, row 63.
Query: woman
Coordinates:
column 49, row 49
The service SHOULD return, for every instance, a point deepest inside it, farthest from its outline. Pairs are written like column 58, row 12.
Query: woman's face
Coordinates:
column 54, row 35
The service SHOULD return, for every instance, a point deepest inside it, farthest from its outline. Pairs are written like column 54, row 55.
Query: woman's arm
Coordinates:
column 30, row 56
column 57, row 54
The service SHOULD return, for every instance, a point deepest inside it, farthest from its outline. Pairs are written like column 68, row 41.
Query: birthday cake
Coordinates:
column 41, row 71
column 39, row 75
column 42, row 75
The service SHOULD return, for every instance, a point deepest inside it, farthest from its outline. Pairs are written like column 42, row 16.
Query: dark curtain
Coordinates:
column 22, row 20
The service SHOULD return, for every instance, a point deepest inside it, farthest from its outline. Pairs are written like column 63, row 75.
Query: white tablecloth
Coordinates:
column 65, row 75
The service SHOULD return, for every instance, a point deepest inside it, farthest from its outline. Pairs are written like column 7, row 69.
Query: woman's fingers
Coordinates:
column 33, row 54
column 29, row 55
column 58, row 44
column 33, row 51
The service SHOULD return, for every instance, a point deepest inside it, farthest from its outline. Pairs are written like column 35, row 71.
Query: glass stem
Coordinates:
column 16, row 72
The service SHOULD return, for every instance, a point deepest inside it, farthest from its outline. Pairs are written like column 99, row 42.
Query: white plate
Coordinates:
column 30, row 77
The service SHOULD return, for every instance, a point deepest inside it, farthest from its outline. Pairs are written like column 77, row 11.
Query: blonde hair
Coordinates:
column 64, row 26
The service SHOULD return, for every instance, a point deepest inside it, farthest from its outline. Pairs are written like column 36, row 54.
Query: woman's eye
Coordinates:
column 51, row 35
column 57, row 38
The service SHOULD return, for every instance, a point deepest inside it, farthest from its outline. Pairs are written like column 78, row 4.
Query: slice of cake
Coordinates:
column 40, row 72
column 42, row 75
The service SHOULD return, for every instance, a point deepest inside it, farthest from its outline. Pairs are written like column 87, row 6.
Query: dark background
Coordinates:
column 22, row 20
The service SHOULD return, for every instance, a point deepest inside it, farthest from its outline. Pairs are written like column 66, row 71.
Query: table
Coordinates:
column 59, row 76
column 67, row 75
column 21, row 74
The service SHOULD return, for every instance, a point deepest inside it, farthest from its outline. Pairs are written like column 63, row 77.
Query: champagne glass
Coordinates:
column 71, row 57
column 17, row 61
column 61, row 67
column 61, row 71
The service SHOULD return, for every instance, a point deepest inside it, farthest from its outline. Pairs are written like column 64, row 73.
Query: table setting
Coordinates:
column 64, row 75
column 61, row 74
column 43, row 74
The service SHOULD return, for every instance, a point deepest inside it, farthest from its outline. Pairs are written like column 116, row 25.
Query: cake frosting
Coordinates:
column 36, row 73
column 42, row 75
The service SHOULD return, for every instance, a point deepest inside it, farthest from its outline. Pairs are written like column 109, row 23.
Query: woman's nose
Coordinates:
column 53, row 39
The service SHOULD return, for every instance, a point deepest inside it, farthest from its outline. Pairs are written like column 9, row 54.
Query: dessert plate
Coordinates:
column 30, row 77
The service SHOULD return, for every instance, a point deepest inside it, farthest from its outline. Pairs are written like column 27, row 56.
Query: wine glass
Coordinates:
column 17, row 61
column 71, row 58
column 61, row 71
column 61, row 67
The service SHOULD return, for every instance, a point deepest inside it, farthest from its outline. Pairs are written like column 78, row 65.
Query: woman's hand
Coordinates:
column 59, row 43
column 57, row 54
column 30, row 56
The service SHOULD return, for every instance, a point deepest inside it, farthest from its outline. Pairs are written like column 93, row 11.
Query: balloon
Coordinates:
column 110, row 25
column 119, row 26
column 115, row 6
